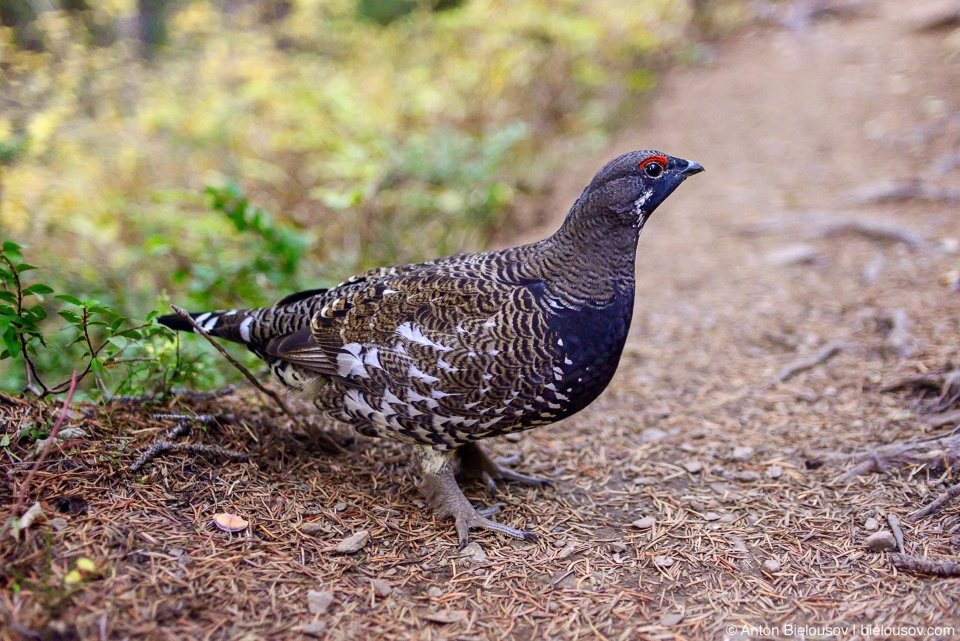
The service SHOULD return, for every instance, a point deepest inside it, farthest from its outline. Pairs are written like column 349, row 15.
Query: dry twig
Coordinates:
column 823, row 355
column 940, row 501
column 327, row 442
column 160, row 447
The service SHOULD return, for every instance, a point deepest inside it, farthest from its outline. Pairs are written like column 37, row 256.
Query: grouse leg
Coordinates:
column 447, row 499
column 476, row 463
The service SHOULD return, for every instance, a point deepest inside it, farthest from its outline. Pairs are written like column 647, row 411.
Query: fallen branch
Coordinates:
column 25, row 488
column 898, row 191
column 940, row 501
column 823, row 224
column 325, row 440
column 160, row 447
column 872, row 229
column 823, row 355
column 937, row 566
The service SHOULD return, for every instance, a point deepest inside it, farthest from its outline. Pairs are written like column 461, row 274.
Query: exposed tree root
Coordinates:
column 937, row 454
column 946, row 383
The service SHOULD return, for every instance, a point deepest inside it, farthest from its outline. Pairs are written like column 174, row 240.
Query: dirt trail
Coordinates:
column 737, row 475
column 789, row 124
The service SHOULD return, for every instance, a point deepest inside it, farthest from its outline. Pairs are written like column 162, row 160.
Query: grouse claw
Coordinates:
column 447, row 499
column 475, row 462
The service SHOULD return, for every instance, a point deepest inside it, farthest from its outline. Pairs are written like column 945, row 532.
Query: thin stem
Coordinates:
column 25, row 488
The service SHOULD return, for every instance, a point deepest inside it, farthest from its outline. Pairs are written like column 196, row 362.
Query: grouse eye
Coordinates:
column 653, row 169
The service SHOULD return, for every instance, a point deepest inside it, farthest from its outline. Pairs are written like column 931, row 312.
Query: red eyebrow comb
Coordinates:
column 660, row 159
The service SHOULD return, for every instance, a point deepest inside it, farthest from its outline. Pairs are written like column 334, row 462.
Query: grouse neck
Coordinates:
column 589, row 261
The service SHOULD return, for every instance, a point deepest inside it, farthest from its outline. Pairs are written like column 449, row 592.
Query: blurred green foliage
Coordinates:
column 371, row 138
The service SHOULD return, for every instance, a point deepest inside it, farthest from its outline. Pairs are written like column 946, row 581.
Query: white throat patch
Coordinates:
column 638, row 204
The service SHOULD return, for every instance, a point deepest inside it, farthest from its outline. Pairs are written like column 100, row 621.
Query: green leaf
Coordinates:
column 38, row 288
column 10, row 297
column 5, row 441
column 73, row 300
column 97, row 366
column 72, row 317
column 24, row 267
column 11, row 341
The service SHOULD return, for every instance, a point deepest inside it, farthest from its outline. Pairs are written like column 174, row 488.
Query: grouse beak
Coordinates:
column 691, row 169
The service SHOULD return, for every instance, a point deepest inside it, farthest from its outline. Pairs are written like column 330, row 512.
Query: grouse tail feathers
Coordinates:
column 232, row 325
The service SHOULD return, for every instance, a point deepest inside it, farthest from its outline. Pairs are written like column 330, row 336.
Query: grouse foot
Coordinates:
column 475, row 463
column 447, row 499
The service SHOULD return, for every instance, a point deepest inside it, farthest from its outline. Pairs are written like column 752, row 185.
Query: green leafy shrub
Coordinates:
column 121, row 356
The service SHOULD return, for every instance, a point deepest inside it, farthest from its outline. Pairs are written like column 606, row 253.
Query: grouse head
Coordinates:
column 629, row 188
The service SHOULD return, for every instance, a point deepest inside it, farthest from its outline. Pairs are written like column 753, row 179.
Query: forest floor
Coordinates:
column 795, row 320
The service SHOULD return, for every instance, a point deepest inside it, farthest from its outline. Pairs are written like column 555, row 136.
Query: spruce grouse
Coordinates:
column 444, row 353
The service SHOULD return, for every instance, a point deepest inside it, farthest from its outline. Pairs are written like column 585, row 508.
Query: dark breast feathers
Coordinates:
column 444, row 353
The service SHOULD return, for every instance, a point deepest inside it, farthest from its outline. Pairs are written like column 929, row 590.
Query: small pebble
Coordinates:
column 354, row 543
column 643, row 480
column 668, row 620
column 71, row 434
column 663, row 561
column 475, row 552
column 693, row 467
column 742, row 453
column 645, row 523
column 881, row 541
column 313, row 528
column 617, row 546
column 728, row 518
column 340, row 507
column 771, row 566
column 652, row 435
column 871, row 525
column 443, row 617
column 748, row 476
column 382, row 588
column 711, row 516
column 315, row 629
column 319, row 601
column 567, row 551
column 774, row 472
column 58, row 523
column 434, row 592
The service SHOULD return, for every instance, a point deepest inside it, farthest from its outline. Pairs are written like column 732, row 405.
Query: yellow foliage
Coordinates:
column 396, row 142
